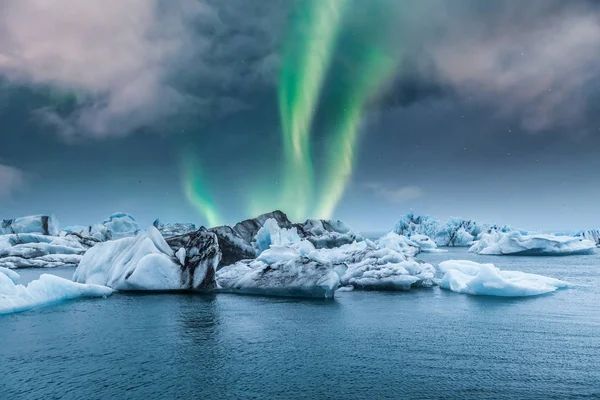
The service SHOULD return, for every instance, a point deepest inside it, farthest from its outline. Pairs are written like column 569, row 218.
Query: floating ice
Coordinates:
column 401, row 244
column 31, row 250
column 457, row 232
column 469, row 277
column 46, row 290
column 282, row 271
column 148, row 262
column 117, row 226
column 41, row 224
column 513, row 243
column 271, row 234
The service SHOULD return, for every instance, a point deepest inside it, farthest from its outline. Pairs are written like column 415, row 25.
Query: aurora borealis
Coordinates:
column 317, row 34
column 212, row 112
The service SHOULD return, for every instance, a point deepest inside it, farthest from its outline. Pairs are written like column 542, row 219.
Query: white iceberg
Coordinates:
column 31, row 250
column 469, row 277
column 117, row 226
column 401, row 244
column 514, row 243
column 148, row 262
column 174, row 229
column 270, row 234
column 456, row 232
column 41, row 224
column 46, row 290
column 327, row 234
column 282, row 271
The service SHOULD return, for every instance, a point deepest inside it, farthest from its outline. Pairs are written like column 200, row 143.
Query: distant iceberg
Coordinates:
column 469, row 277
column 34, row 250
column 46, row 290
column 40, row 224
column 117, row 226
column 456, row 232
column 148, row 262
column 514, row 243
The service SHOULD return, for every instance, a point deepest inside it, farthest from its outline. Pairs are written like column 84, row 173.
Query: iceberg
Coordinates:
column 40, row 224
column 514, row 243
column 282, row 271
column 363, row 265
column 377, row 268
column 174, row 229
column 46, row 290
column 33, row 250
column 117, row 226
column 456, row 232
column 240, row 242
column 328, row 234
column 148, row 262
column 401, row 244
column 469, row 277
column 270, row 234
column 592, row 234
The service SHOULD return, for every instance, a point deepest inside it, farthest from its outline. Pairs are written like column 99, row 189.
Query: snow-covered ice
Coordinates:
column 32, row 250
column 270, row 234
column 456, row 232
column 400, row 243
column 282, row 271
column 41, row 224
column 117, row 226
column 514, row 243
column 147, row 262
column 469, row 277
column 48, row 289
column 174, row 229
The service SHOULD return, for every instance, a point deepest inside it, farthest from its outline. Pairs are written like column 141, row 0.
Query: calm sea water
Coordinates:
column 417, row 345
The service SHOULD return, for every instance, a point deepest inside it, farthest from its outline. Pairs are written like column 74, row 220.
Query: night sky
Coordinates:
column 213, row 111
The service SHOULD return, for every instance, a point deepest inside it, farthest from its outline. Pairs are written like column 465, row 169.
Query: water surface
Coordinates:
column 427, row 343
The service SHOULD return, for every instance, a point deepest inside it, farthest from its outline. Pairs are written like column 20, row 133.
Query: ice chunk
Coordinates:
column 12, row 275
column 296, row 277
column 271, row 234
column 174, row 229
column 117, row 226
column 456, row 232
column 386, row 269
column 514, row 243
column 46, row 290
column 29, row 250
column 469, row 277
column 327, row 234
column 147, row 262
column 402, row 244
column 41, row 224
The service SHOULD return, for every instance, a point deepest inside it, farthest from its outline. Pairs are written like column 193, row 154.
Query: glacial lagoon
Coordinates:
column 426, row 343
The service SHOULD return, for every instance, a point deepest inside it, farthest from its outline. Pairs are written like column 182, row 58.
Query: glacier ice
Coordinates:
column 400, row 243
column 271, row 234
column 514, row 243
column 592, row 234
column 46, row 290
column 282, row 271
column 174, row 229
column 117, row 226
column 240, row 241
column 362, row 265
column 469, row 277
column 148, row 262
column 456, row 232
column 41, row 224
column 32, row 250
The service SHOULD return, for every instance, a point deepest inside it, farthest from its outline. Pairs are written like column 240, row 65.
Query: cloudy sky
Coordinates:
column 212, row 111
